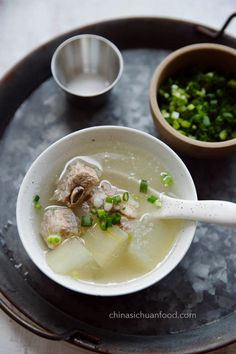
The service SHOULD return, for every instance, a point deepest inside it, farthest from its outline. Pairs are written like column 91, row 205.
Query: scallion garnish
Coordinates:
column 116, row 218
column 143, row 188
column 116, row 199
column 109, row 221
column 200, row 104
column 102, row 214
column 86, row 220
column 223, row 134
column 126, row 197
column 103, row 225
column 54, row 239
column 166, row 179
column 152, row 199
column 36, row 202
column 36, row 198
column 109, row 199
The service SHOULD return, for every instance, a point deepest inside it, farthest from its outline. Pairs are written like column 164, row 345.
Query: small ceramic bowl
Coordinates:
column 87, row 67
column 53, row 158
column 205, row 56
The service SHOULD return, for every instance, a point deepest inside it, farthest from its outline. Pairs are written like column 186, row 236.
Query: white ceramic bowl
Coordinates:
column 35, row 182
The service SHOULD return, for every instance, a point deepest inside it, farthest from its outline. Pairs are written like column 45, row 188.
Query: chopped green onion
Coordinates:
column 36, row 198
column 109, row 221
column 175, row 115
column 109, row 200
column 126, row 197
column 232, row 84
column 143, row 188
column 166, row 179
column 112, row 219
column 103, row 225
column 228, row 115
column 102, row 214
column 36, row 202
column 54, row 240
column 206, row 121
column 176, row 124
column 190, row 107
column 223, row 135
column 86, row 220
column 116, row 199
column 152, row 198
column 200, row 104
column 185, row 124
column 116, row 218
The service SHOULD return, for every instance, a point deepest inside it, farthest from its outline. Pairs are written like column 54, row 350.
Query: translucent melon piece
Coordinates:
column 141, row 250
column 105, row 245
column 70, row 256
column 139, row 257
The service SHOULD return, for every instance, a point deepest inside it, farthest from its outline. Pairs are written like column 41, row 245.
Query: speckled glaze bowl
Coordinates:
column 207, row 55
column 68, row 147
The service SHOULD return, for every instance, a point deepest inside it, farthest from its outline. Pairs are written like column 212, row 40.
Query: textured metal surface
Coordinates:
column 204, row 282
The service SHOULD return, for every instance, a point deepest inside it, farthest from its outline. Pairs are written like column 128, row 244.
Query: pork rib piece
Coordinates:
column 59, row 221
column 75, row 184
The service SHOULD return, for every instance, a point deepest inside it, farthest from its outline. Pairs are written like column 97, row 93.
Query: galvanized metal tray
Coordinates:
column 35, row 113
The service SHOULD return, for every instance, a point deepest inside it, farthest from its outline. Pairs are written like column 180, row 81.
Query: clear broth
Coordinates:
column 124, row 164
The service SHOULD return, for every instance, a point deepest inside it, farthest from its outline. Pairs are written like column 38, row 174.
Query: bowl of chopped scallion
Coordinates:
column 193, row 100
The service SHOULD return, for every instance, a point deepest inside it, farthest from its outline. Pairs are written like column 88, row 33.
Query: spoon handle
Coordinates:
column 211, row 211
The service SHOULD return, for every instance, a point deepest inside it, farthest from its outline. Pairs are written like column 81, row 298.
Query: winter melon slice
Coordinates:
column 105, row 246
column 70, row 256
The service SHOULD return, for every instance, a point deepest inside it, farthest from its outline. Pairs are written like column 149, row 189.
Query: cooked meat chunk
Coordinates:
column 106, row 189
column 59, row 221
column 75, row 184
column 129, row 209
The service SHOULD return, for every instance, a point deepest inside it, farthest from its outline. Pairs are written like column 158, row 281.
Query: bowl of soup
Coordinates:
column 82, row 204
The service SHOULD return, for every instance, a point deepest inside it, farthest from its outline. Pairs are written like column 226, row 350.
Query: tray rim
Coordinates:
column 11, row 72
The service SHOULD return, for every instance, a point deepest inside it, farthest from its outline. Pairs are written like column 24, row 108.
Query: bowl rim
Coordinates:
column 154, row 105
column 115, row 289
column 78, row 37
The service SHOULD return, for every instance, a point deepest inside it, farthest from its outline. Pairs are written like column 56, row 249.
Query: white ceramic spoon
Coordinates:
column 211, row 211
